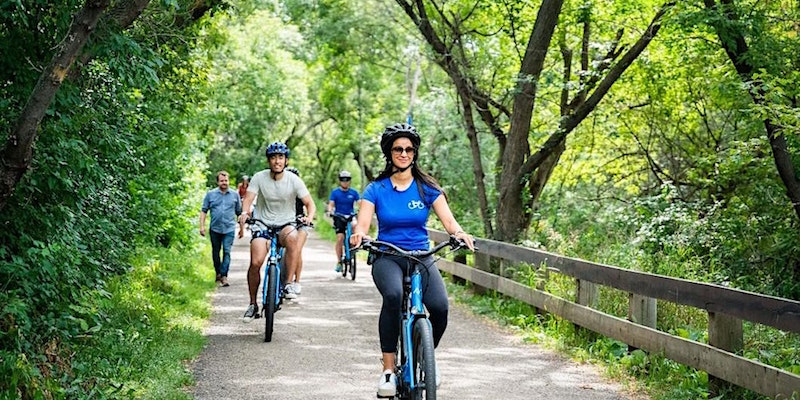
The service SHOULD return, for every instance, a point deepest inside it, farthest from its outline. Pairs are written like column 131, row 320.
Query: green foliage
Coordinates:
column 140, row 331
column 670, row 174
column 115, row 172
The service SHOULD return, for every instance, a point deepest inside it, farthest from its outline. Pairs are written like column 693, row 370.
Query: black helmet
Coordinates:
column 293, row 170
column 277, row 148
column 395, row 131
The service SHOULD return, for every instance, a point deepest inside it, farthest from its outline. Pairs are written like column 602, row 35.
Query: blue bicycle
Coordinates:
column 348, row 260
column 415, row 364
column 274, row 279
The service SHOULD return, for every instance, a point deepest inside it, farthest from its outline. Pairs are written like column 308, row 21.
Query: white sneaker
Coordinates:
column 387, row 385
column 297, row 288
column 288, row 292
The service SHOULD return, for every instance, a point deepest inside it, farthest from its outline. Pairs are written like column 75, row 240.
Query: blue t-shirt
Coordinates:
column 402, row 215
column 224, row 208
column 343, row 200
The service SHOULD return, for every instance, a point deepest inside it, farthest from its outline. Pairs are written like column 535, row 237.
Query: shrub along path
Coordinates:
column 325, row 346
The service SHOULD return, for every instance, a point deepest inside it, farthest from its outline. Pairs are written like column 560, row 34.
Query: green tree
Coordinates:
column 456, row 32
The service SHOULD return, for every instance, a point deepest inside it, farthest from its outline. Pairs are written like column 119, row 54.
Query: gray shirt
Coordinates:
column 224, row 208
column 275, row 204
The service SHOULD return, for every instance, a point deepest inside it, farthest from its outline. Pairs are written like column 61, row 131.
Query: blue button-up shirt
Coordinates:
column 224, row 209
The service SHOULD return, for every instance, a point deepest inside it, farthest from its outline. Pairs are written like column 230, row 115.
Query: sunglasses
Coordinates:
column 344, row 179
column 399, row 150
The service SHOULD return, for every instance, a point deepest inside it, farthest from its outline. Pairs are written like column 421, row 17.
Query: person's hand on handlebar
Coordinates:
column 357, row 237
column 466, row 238
column 305, row 220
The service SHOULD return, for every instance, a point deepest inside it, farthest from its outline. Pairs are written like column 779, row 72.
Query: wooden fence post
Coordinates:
column 483, row 262
column 587, row 295
column 542, row 275
column 726, row 333
column 643, row 311
column 460, row 258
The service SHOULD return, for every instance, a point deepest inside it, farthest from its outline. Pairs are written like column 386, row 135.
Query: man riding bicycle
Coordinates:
column 276, row 192
column 340, row 206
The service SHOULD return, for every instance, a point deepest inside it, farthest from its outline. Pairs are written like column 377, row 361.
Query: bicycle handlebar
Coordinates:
column 374, row 246
column 252, row 220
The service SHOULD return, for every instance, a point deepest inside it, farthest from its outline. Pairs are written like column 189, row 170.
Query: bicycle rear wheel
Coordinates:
column 271, row 306
column 424, row 361
column 353, row 265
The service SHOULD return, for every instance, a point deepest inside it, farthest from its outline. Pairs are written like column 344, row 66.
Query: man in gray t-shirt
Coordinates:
column 276, row 191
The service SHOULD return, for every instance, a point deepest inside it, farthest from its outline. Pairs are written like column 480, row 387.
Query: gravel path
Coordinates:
column 325, row 346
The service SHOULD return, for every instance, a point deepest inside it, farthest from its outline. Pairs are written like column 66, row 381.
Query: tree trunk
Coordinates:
column 477, row 164
column 18, row 150
column 735, row 45
column 513, row 215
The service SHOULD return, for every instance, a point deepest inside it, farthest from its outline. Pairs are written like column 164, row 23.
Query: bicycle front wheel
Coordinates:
column 272, row 299
column 424, row 361
column 353, row 265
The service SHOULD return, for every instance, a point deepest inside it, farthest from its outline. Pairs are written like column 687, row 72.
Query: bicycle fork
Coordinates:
column 416, row 313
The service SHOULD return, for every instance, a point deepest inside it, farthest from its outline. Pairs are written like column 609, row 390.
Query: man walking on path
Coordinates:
column 225, row 205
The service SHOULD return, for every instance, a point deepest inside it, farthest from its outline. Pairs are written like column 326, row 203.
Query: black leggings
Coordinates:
column 387, row 272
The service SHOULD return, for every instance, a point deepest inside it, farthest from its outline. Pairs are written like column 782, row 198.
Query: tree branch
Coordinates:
column 18, row 150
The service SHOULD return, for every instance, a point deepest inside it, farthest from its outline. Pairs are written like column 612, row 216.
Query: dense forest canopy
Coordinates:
column 655, row 135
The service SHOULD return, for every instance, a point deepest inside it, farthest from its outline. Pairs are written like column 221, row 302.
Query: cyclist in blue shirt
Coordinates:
column 402, row 197
column 224, row 205
column 340, row 205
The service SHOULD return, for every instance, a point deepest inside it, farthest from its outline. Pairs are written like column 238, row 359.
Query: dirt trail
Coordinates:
column 325, row 346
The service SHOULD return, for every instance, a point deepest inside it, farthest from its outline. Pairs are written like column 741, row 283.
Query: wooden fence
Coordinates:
column 726, row 308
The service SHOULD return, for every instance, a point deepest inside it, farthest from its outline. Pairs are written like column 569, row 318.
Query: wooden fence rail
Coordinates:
column 726, row 307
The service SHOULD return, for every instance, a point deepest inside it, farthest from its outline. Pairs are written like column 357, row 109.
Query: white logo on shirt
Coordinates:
column 416, row 204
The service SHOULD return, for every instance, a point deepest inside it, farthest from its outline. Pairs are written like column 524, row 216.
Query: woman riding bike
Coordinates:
column 402, row 197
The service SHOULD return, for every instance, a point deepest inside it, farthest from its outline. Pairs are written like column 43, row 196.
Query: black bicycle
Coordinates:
column 348, row 260
column 415, row 365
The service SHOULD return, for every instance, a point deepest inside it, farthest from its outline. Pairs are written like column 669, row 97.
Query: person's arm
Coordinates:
column 331, row 207
column 365, row 214
column 239, row 206
column 248, row 202
column 202, row 223
column 442, row 210
column 311, row 208
column 203, row 210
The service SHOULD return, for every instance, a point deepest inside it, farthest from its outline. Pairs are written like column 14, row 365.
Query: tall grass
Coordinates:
column 141, row 331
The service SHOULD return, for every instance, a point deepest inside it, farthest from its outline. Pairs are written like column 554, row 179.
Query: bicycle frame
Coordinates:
column 347, row 261
column 274, row 258
column 414, row 310
column 348, row 231
column 273, row 282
